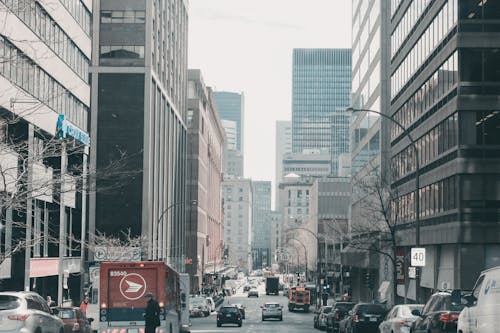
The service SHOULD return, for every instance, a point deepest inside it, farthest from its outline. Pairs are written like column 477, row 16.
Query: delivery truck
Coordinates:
column 272, row 285
column 123, row 286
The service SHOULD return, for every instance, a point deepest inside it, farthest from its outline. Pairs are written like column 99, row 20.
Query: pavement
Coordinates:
column 293, row 322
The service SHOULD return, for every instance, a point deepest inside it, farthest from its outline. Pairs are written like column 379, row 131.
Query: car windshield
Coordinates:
column 229, row 310
column 371, row 309
column 272, row 305
column 65, row 313
column 9, row 302
column 406, row 310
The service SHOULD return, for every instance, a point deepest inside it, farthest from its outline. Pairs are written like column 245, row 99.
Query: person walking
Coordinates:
column 152, row 315
column 84, row 304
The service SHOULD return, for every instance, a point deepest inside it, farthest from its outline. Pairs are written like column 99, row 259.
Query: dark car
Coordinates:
column 339, row 312
column 440, row 314
column 363, row 318
column 320, row 317
column 229, row 315
column 74, row 320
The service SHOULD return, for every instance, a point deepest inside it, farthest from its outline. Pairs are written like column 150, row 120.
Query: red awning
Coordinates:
column 44, row 267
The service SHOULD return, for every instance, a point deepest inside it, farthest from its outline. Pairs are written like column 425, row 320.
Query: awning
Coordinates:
column 352, row 256
column 40, row 267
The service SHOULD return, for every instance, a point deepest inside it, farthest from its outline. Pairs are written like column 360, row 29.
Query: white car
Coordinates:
column 198, row 306
column 211, row 303
column 482, row 310
column 400, row 319
column 23, row 312
column 272, row 310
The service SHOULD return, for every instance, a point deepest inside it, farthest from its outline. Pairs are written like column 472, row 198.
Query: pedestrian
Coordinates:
column 152, row 315
column 50, row 302
column 84, row 304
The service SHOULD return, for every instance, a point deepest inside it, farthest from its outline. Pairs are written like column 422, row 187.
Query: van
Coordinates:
column 482, row 308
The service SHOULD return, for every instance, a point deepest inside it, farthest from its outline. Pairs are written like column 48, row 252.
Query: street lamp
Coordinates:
column 305, row 251
column 417, row 181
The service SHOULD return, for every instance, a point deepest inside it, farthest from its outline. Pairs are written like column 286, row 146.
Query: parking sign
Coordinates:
column 418, row 256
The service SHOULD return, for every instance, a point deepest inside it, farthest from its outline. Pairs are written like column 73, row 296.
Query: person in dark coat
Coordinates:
column 152, row 315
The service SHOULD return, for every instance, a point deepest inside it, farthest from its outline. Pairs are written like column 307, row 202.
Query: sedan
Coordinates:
column 320, row 317
column 363, row 318
column 338, row 313
column 400, row 318
column 253, row 293
column 439, row 315
column 74, row 320
column 272, row 310
column 229, row 315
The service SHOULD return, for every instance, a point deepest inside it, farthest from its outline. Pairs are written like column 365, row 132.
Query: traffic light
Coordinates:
column 368, row 279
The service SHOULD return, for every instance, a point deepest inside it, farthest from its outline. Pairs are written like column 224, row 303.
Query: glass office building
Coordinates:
column 321, row 89
column 231, row 107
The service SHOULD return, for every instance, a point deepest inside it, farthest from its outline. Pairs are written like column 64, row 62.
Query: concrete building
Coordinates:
column 445, row 88
column 310, row 163
column 44, row 142
column 238, row 198
column 139, row 97
column 283, row 147
column 204, row 228
column 261, row 224
column 344, row 168
column 321, row 89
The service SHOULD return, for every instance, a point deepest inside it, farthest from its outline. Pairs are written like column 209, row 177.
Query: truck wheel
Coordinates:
column 306, row 309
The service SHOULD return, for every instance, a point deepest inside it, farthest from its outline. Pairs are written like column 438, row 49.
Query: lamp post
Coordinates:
column 305, row 252
column 417, row 182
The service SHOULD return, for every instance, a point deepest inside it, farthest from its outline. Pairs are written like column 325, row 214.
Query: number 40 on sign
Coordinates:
column 418, row 256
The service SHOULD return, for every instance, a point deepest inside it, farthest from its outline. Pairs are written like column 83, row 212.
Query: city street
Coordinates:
column 293, row 322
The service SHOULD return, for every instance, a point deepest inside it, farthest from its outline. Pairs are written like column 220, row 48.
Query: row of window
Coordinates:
column 123, row 16
column 441, row 25
column 79, row 12
column 432, row 91
column 35, row 17
column 429, row 146
column 394, row 6
column 407, row 23
column 122, row 51
column 369, row 151
column 368, row 121
column 435, row 198
column 479, row 65
column 23, row 72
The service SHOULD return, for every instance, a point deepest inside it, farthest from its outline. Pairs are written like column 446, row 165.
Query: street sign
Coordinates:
column 412, row 272
column 418, row 257
column 117, row 253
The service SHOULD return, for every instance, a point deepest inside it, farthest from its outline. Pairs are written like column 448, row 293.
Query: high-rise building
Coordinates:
column 310, row 163
column 276, row 229
column 321, row 89
column 445, row 88
column 231, row 106
column 45, row 51
column 231, row 129
column 204, row 230
column 261, row 224
column 283, row 146
column 139, row 96
column 237, row 196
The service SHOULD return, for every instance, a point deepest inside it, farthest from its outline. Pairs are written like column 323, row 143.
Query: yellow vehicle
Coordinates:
column 299, row 298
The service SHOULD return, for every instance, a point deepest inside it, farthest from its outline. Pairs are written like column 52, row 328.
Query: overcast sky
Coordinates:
column 246, row 46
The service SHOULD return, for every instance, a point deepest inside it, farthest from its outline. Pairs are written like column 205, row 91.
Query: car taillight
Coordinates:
column 356, row 319
column 239, row 318
column 22, row 317
column 448, row 317
column 337, row 316
column 76, row 327
column 404, row 323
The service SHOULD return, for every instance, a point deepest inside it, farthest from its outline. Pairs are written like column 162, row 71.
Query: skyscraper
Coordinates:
column 321, row 88
column 283, row 146
column 231, row 106
column 261, row 224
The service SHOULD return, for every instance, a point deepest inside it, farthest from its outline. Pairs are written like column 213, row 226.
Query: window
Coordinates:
column 123, row 16
column 122, row 52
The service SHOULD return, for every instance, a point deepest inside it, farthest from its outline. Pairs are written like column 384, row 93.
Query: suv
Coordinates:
column 440, row 314
column 229, row 315
column 339, row 312
column 27, row 312
column 272, row 310
column 364, row 318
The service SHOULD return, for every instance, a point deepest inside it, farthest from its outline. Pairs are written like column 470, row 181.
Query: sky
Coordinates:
column 246, row 46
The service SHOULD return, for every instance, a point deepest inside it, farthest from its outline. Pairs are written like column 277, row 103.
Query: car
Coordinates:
column 242, row 310
column 74, row 319
column 211, row 303
column 482, row 305
column 363, row 318
column 439, row 314
column 320, row 316
column 229, row 315
column 339, row 311
column 246, row 288
column 253, row 293
column 27, row 312
column 272, row 310
column 399, row 319
column 198, row 306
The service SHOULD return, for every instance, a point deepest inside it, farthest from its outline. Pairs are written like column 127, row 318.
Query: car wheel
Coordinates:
column 263, row 318
column 239, row 324
column 219, row 324
column 281, row 318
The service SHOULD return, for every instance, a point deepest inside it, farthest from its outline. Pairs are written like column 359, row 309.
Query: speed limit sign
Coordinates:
column 418, row 257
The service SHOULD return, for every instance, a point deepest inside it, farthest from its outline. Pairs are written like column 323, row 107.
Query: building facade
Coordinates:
column 231, row 106
column 44, row 142
column 276, row 230
column 283, row 147
column 310, row 163
column 321, row 89
column 238, row 200
column 261, row 224
column 139, row 97
column 231, row 133
column 445, row 88
column 204, row 227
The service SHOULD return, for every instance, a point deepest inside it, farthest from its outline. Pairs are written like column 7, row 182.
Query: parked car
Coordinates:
column 242, row 310
column 74, row 319
column 363, row 318
column 27, row 312
column 272, row 310
column 400, row 318
column 440, row 314
column 339, row 311
column 229, row 315
column 253, row 293
column 482, row 305
column 246, row 288
column 198, row 306
column 211, row 303
column 320, row 315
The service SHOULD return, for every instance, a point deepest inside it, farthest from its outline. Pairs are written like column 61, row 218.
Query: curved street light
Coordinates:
column 417, row 180
column 305, row 252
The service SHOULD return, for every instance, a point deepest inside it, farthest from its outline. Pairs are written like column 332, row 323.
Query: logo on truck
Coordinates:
column 132, row 286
